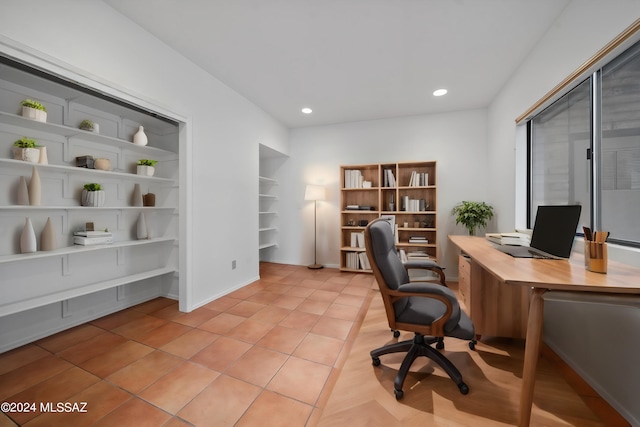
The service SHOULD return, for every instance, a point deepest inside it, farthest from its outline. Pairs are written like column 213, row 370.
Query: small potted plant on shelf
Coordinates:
column 26, row 149
column 146, row 167
column 92, row 195
column 472, row 215
column 34, row 110
column 89, row 125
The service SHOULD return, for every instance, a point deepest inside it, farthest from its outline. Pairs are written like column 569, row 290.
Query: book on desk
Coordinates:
column 515, row 238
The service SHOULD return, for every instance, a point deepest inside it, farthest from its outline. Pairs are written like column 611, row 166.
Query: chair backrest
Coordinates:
column 383, row 257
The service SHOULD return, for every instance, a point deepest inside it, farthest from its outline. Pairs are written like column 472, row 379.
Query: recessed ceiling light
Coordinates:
column 440, row 92
column 307, row 110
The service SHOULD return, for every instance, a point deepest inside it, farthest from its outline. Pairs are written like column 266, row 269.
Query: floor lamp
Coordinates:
column 315, row 193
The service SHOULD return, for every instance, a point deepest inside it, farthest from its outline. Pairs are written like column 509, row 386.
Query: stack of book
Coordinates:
column 389, row 178
column 88, row 238
column 419, row 179
column 353, row 178
column 357, row 261
column 418, row 239
column 514, row 238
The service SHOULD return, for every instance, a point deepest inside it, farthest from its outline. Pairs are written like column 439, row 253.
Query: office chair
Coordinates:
column 429, row 310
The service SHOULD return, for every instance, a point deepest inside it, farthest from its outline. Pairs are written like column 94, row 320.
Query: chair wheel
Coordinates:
column 375, row 361
column 399, row 394
column 464, row 389
column 396, row 334
column 440, row 345
column 472, row 345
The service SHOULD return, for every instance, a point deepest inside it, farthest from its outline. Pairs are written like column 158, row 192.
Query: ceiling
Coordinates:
column 352, row 60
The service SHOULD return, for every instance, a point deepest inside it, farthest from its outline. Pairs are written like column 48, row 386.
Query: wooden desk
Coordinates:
column 542, row 275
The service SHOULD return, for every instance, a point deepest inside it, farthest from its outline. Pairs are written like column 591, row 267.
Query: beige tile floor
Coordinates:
column 265, row 355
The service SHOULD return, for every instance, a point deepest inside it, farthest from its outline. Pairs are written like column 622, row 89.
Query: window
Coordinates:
column 585, row 148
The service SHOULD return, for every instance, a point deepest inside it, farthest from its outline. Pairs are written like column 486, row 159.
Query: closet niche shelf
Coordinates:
column 107, row 277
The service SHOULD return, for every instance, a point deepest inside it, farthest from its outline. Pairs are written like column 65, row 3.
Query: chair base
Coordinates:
column 419, row 346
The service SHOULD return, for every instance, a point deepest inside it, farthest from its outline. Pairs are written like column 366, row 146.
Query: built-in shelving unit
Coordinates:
column 136, row 269
column 403, row 192
column 268, row 213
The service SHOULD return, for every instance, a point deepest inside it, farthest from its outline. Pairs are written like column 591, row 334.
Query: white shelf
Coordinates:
column 269, row 180
column 70, row 208
column 268, row 196
column 78, row 170
column 77, row 249
column 35, row 302
column 267, row 245
column 268, row 213
column 268, row 229
column 69, row 132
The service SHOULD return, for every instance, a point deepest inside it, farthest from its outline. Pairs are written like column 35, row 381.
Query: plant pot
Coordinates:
column 92, row 198
column 34, row 114
column 146, row 170
column 27, row 154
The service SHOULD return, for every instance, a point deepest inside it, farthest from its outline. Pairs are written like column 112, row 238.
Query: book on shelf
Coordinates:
column 359, row 208
column 357, row 240
column 515, row 238
column 364, row 261
column 419, row 179
column 418, row 239
column 92, row 233
column 389, row 178
column 88, row 241
column 353, row 178
column 418, row 255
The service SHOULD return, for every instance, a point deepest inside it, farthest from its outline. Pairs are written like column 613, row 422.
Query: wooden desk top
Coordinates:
column 568, row 275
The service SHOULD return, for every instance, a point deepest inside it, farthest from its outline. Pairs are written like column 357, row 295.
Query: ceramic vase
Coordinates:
column 140, row 138
column 23, row 192
column 43, row 160
column 149, row 199
column 35, row 191
column 93, row 198
column 136, row 197
column 28, row 238
column 48, row 237
column 141, row 228
column 102, row 164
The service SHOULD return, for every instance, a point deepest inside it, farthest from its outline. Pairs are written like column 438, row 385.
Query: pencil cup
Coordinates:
column 595, row 256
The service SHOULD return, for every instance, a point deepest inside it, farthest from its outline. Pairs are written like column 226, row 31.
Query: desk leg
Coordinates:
column 531, row 354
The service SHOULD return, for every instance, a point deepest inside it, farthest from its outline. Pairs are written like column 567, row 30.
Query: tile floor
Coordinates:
column 267, row 354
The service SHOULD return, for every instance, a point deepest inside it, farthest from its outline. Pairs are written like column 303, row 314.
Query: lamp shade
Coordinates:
column 314, row 192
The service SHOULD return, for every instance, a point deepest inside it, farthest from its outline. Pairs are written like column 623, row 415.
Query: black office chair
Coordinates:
column 429, row 310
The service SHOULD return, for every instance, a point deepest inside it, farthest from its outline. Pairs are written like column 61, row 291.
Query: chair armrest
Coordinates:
column 427, row 264
column 433, row 291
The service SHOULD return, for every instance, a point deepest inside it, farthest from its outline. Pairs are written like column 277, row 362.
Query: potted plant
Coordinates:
column 26, row 149
column 34, row 110
column 146, row 167
column 472, row 215
column 92, row 195
column 89, row 126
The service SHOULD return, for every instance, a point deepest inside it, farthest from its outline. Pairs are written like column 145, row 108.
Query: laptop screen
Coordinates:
column 555, row 229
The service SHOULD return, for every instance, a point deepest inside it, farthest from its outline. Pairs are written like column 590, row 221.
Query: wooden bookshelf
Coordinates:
column 404, row 190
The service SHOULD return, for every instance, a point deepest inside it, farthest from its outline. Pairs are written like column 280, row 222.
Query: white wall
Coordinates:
column 93, row 40
column 580, row 32
column 457, row 141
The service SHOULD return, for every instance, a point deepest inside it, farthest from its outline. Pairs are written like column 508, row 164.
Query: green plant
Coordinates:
column 92, row 187
column 87, row 125
column 33, row 104
column 147, row 162
column 25, row 142
column 472, row 215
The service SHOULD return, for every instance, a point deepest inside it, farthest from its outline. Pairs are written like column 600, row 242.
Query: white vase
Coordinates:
column 23, row 192
column 35, row 191
column 28, row 238
column 140, row 138
column 136, row 198
column 48, row 237
column 93, row 198
column 145, row 170
column 141, row 228
column 34, row 114
column 43, row 159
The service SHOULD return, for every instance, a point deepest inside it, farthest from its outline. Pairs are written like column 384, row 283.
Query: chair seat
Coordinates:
column 417, row 310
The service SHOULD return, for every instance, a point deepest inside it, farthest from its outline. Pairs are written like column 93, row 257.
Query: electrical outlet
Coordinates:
column 233, row 264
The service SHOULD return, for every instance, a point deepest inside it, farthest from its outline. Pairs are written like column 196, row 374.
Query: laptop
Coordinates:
column 553, row 233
